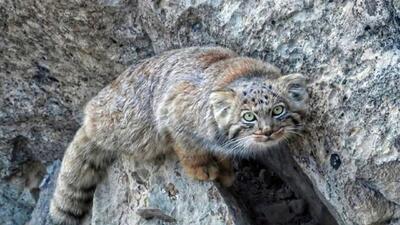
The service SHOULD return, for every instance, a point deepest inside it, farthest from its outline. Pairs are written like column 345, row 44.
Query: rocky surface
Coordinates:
column 19, row 193
column 55, row 55
column 40, row 214
column 159, row 193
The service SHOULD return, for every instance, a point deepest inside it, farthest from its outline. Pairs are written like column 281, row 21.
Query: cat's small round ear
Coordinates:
column 222, row 95
column 222, row 102
column 295, row 86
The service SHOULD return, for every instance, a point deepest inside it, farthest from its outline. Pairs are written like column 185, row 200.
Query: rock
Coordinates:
column 40, row 213
column 283, row 212
column 159, row 193
column 16, row 204
column 270, row 201
column 282, row 162
column 154, row 213
column 57, row 55
column 18, row 194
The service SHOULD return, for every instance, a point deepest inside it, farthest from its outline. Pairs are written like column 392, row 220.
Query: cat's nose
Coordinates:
column 267, row 131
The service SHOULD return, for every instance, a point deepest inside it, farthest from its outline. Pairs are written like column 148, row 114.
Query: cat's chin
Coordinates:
column 263, row 142
column 257, row 145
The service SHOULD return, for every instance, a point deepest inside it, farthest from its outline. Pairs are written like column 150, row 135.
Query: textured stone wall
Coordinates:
column 55, row 55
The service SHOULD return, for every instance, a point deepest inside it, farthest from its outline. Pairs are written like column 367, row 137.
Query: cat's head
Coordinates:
column 256, row 114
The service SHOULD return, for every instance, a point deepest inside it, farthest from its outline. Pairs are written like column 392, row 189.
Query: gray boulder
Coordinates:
column 158, row 192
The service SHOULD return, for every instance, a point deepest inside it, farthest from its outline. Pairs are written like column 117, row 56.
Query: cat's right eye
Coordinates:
column 249, row 117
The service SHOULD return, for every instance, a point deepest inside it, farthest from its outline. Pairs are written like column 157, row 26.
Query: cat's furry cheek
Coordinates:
column 234, row 131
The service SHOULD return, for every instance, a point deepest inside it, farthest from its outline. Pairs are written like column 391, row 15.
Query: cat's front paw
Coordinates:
column 220, row 170
column 207, row 171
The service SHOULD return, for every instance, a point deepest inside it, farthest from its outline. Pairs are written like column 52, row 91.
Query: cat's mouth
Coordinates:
column 272, row 137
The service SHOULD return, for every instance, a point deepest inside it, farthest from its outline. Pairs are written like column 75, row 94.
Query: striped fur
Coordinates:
column 186, row 100
column 83, row 167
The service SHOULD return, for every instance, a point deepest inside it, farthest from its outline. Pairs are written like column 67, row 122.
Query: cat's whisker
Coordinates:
column 294, row 131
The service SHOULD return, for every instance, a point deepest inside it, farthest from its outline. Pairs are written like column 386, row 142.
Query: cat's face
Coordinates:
column 256, row 114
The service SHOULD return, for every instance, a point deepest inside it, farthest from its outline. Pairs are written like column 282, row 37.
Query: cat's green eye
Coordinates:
column 249, row 117
column 278, row 110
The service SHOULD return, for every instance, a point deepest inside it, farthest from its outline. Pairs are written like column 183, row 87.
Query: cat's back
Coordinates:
column 153, row 76
column 135, row 94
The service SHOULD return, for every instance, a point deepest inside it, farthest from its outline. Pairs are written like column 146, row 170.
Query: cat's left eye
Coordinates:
column 278, row 110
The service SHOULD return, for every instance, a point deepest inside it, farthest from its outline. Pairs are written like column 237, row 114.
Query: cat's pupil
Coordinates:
column 248, row 116
column 278, row 110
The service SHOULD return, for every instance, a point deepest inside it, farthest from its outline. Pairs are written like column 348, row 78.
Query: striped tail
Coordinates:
column 83, row 167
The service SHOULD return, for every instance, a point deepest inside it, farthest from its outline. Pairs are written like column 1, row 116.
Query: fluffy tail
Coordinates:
column 82, row 168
